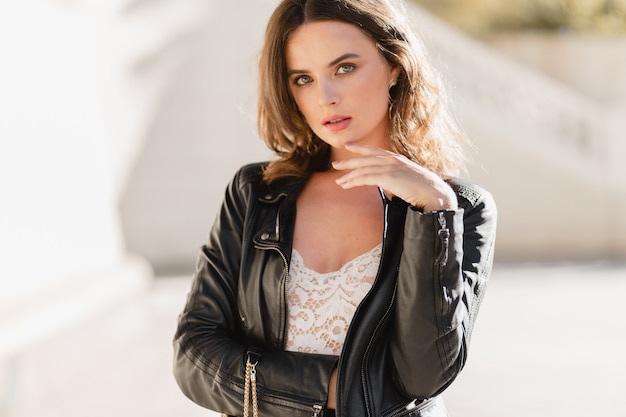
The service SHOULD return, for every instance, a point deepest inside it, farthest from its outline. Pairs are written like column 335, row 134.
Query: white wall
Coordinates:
column 202, row 129
column 61, row 243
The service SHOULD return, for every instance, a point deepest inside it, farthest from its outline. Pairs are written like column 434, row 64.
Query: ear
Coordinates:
column 394, row 73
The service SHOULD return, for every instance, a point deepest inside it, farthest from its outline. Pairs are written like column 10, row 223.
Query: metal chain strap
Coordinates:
column 250, row 386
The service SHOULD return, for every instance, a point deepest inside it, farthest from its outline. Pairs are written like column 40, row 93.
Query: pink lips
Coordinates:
column 336, row 123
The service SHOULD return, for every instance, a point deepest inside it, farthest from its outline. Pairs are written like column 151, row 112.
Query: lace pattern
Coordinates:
column 321, row 305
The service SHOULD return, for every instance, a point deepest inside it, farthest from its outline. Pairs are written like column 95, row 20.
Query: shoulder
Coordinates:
column 244, row 186
column 472, row 196
column 250, row 174
column 249, row 183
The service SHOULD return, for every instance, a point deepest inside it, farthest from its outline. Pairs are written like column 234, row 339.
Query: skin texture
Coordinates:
column 336, row 73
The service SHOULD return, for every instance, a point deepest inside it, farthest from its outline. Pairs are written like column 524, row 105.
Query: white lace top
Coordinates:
column 321, row 305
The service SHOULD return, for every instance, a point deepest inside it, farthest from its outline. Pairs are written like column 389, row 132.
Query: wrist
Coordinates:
column 444, row 201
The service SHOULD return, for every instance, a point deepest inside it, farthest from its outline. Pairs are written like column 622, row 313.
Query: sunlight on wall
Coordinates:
column 56, row 189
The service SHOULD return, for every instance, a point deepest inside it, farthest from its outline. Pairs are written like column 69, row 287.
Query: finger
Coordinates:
column 377, row 175
column 359, row 162
column 371, row 156
column 370, row 179
column 367, row 149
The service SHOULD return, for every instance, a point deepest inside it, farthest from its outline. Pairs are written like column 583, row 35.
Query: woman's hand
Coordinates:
column 397, row 176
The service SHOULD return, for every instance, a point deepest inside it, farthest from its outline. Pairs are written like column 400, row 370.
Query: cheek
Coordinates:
column 375, row 95
column 372, row 83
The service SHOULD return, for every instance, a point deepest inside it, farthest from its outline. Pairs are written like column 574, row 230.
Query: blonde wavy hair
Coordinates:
column 421, row 127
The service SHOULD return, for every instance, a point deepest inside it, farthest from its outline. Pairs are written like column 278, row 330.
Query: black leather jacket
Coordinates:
column 409, row 336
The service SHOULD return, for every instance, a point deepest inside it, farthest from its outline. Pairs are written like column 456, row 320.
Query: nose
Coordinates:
column 328, row 93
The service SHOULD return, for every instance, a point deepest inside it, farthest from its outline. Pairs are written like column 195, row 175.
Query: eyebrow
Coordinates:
column 330, row 64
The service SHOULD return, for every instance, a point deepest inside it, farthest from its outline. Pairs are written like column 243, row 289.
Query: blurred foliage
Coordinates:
column 482, row 17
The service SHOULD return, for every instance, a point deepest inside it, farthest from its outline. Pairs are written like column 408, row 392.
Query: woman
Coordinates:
column 345, row 275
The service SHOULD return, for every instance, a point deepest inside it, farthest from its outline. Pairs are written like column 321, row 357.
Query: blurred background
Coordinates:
column 121, row 122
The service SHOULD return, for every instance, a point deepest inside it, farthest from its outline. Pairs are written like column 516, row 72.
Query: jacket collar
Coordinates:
column 282, row 197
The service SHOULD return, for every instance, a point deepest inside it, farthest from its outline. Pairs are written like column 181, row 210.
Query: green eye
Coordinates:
column 345, row 68
column 302, row 80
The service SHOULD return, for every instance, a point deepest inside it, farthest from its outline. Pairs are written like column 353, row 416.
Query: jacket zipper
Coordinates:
column 369, row 345
column 285, row 304
column 444, row 237
column 317, row 409
column 407, row 409
column 383, row 318
column 442, row 260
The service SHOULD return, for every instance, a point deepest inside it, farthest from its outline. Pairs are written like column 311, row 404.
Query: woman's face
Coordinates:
column 340, row 82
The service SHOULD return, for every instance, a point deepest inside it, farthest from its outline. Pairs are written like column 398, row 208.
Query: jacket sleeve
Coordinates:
column 444, row 268
column 210, row 351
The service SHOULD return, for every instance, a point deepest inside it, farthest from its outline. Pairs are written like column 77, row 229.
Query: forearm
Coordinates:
column 444, row 268
column 211, row 352
column 288, row 383
column 428, row 336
